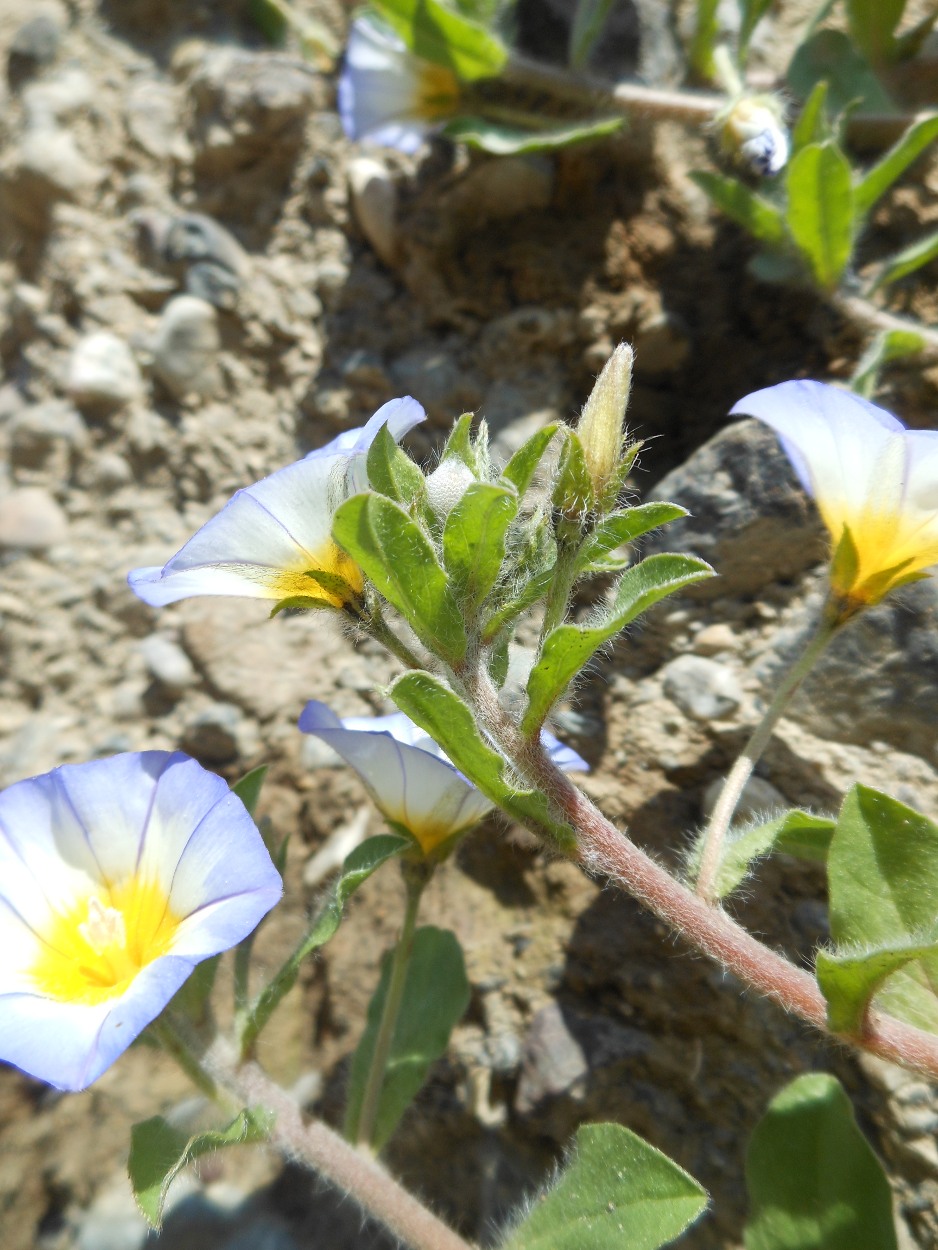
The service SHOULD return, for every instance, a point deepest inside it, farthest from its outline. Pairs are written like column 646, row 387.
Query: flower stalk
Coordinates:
column 362, row 1129
column 714, row 837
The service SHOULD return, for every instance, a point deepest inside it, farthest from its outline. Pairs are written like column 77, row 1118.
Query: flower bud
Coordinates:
column 447, row 484
column 601, row 427
column 753, row 131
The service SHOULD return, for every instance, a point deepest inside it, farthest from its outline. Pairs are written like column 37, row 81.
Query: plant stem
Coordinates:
column 716, row 831
column 604, row 849
column 867, row 317
column 216, row 1071
column 362, row 1129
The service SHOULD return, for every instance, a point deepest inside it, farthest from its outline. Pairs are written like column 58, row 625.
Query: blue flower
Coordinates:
column 271, row 538
column 389, row 96
column 116, row 878
column 411, row 781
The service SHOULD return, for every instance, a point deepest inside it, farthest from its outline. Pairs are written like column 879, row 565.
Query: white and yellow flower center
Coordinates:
column 437, row 92
column 295, row 582
column 95, row 948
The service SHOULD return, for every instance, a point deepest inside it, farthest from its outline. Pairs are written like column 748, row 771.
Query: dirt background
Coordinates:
column 472, row 284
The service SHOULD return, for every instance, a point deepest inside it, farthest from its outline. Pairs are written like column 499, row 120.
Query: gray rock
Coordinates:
column 34, row 46
column 108, row 472
column 702, row 688
column 431, row 374
column 185, row 351
column 102, row 372
column 37, row 431
column 31, row 520
column 750, row 518
column 167, row 663
column 878, row 681
column 112, row 1222
column 562, row 1048
column 47, row 167
column 151, row 117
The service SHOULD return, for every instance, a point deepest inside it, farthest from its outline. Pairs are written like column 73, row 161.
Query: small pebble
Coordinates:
column 186, row 347
column 31, row 520
column 167, row 663
column 702, row 688
column 374, row 202
column 102, row 372
column 34, row 46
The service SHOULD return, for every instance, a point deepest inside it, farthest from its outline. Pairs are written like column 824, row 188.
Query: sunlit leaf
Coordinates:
column 888, row 345
column 877, row 181
column 437, row 33
column 821, row 209
column 796, row 832
column 751, row 211
column 830, row 56
column 474, row 540
column 501, row 139
column 913, row 257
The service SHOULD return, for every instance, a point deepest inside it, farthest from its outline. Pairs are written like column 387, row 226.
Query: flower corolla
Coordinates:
column 875, row 484
column 389, row 96
column 272, row 539
column 116, row 878
column 408, row 776
column 753, row 131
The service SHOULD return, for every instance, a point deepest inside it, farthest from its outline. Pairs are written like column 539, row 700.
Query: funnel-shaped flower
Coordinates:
column 116, row 878
column 412, row 782
column 388, row 95
column 874, row 481
column 271, row 537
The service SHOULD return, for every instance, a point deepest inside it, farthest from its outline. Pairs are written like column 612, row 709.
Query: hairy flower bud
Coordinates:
column 601, row 427
column 753, row 131
column 447, row 484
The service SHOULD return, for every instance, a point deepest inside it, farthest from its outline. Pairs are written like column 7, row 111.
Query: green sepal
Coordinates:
column 436, row 33
column 753, row 212
column 882, row 884
column 474, row 540
column 845, row 561
column 358, row 867
column 500, row 139
column 619, row 528
column 449, row 722
column 392, row 473
column 877, row 181
column 159, row 1152
column 821, row 209
column 398, row 557
column 814, row 1183
column 796, row 832
column 616, row 1191
column 520, row 469
column 568, row 648
column 573, row 489
column 498, row 661
column 248, row 789
column 459, row 444
column 436, row 995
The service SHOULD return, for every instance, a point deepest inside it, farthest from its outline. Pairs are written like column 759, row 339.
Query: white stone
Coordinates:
column 702, row 688
column 103, row 371
column 186, row 347
column 374, row 202
column 167, row 663
column 30, row 519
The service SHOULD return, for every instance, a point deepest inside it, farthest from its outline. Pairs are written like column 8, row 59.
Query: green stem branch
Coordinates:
column 362, row 1129
column 716, row 831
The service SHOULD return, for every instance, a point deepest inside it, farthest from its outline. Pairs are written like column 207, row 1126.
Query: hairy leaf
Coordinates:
column 437, row 33
column 751, row 211
column 821, row 210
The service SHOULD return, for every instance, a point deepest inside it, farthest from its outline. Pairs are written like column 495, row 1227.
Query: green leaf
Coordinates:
column 573, row 489
column 500, row 139
column 751, row 13
column 159, row 1152
column 626, row 526
column 814, row 1183
column 751, row 211
column 778, row 268
column 882, row 882
column 872, row 23
column 796, row 832
column 474, row 540
column 877, row 181
column 438, row 34
column 436, row 995
column 498, row 662
column 520, row 469
column 588, row 22
column 888, row 345
column 391, row 471
column 449, row 722
column 907, row 261
column 568, row 648
column 534, row 588
column 398, row 557
column 358, row 867
column 829, row 56
column 821, row 209
column 706, row 31
column 248, row 789
column 812, row 125
column 616, row 1191
column 909, row 43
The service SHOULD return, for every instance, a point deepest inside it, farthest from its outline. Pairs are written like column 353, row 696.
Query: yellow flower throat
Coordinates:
column 93, row 950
